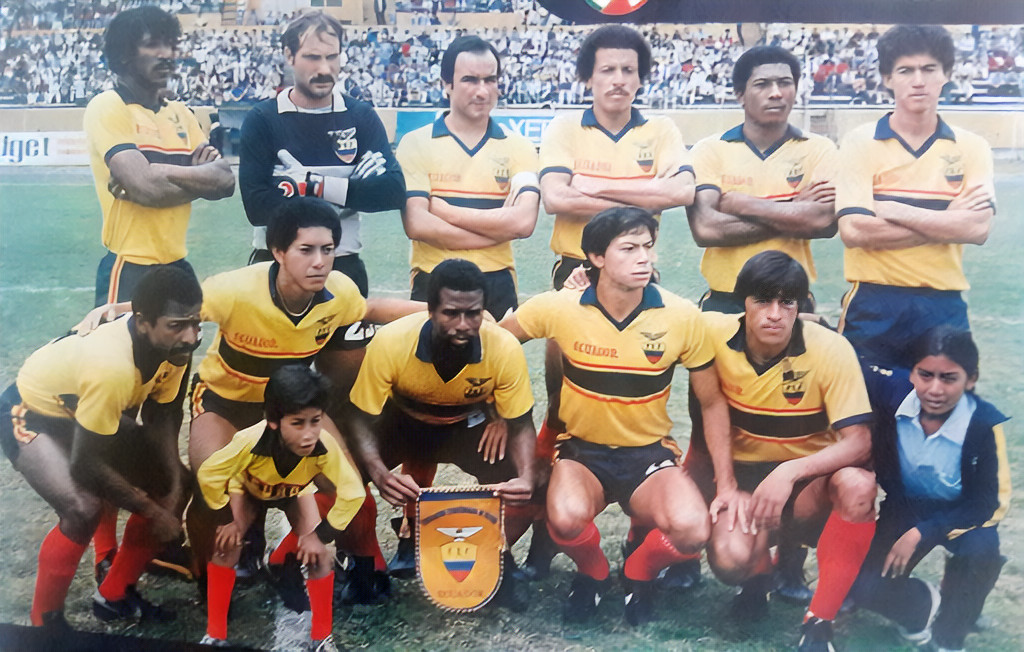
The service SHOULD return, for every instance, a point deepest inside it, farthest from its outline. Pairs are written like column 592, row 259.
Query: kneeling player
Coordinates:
column 799, row 442
column 71, row 431
column 280, row 462
column 620, row 341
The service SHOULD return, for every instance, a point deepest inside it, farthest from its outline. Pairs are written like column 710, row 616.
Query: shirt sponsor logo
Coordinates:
column 594, row 350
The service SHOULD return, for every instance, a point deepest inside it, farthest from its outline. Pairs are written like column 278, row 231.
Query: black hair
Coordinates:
column 162, row 285
column 951, row 342
column 610, row 224
column 613, row 37
column 460, row 45
column 125, row 32
column 300, row 213
column 772, row 275
column 455, row 274
column 908, row 40
column 321, row 23
column 760, row 55
column 293, row 388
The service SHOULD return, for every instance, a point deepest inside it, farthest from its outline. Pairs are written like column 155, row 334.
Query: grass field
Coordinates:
column 49, row 247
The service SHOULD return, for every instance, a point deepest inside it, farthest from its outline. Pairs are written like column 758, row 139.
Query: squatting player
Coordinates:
column 761, row 185
column 912, row 192
column 315, row 141
column 620, row 342
column 149, row 157
column 428, row 389
column 471, row 189
column 609, row 155
column 794, row 460
column 70, row 429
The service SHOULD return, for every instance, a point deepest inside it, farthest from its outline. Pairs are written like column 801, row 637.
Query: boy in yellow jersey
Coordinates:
column 609, row 155
column 149, row 157
column 621, row 340
column 280, row 462
column 70, row 429
column 912, row 192
column 429, row 389
column 471, row 190
column 763, row 184
column 794, row 460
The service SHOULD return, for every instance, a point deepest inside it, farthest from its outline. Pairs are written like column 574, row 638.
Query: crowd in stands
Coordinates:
column 392, row 66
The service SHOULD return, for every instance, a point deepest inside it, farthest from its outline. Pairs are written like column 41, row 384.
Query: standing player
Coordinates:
column 471, row 189
column 427, row 391
column 315, row 141
column 609, row 155
column 148, row 155
column 761, row 185
column 794, row 460
column 912, row 192
column 70, row 428
column 621, row 340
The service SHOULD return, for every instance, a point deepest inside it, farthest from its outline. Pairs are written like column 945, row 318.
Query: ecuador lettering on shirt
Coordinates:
column 731, row 163
column 576, row 143
column 257, row 462
column 793, row 408
column 437, row 164
column 114, row 122
column 617, row 376
column 94, row 379
column 878, row 165
column 399, row 366
column 255, row 336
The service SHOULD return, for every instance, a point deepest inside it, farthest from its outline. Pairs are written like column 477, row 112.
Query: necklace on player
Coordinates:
column 284, row 304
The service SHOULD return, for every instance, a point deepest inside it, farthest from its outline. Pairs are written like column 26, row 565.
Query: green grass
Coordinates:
column 49, row 248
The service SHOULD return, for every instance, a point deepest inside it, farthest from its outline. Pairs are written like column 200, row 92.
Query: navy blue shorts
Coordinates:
column 502, row 296
column 883, row 321
column 116, row 278
column 622, row 469
column 19, row 425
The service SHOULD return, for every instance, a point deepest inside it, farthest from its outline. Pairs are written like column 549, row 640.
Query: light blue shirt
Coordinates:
column 930, row 466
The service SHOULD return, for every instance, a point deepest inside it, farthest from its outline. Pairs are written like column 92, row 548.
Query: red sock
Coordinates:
column 289, row 544
column 546, row 441
column 321, row 595
column 58, row 561
column 220, row 581
column 137, row 549
column 359, row 539
column 655, row 553
column 324, row 502
column 841, row 550
column 585, row 550
column 104, row 540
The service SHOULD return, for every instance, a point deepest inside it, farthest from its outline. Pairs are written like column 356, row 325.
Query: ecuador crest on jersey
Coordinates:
column 459, row 539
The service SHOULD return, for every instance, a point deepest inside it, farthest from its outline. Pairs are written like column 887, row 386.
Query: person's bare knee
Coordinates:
column 853, row 492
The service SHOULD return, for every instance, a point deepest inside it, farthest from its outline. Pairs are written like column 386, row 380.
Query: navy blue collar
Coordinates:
column 440, row 129
column 425, row 346
column 322, row 296
column 651, row 299
column 735, row 135
column 635, row 120
column 884, row 131
column 738, row 342
column 128, row 97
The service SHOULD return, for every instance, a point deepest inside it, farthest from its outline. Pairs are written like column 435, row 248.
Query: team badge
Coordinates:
column 179, row 128
column 792, row 383
column 459, row 541
column 345, row 144
column 323, row 329
column 616, row 7
column 501, row 173
column 477, row 387
column 954, row 171
column 653, row 349
column 645, row 156
column 795, row 174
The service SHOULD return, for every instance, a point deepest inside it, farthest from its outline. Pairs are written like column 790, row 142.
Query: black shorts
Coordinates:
column 750, row 474
column 351, row 265
column 402, row 438
column 116, row 278
column 622, row 469
column 502, row 296
column 19, row 425
column 241, row 414
column 563, row 267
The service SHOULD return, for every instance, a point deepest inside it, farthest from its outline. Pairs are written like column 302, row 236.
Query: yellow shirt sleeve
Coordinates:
column 104, row 393
column 671, row 155
column 347, row 482
column 534, row 315
column 700, row 349
column 845, row 395
column 409, row 155
column 513, row 395
column 706, row 165
column 978, row 165
column 855, row 180
column 217, row 476
column 376, row 376
column 556, row 153
column 108, row 123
